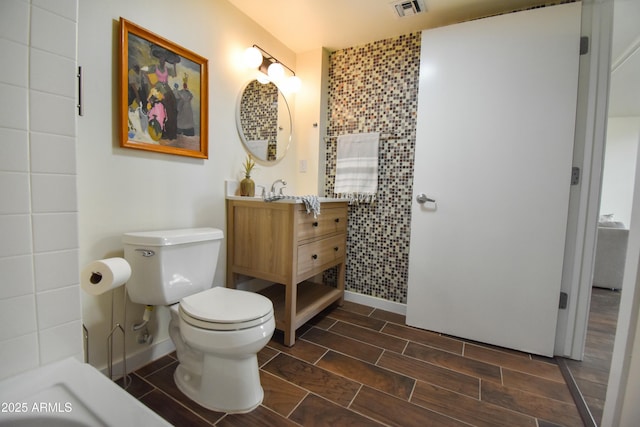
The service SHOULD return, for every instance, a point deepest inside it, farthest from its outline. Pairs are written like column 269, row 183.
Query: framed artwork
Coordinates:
column 163, row 95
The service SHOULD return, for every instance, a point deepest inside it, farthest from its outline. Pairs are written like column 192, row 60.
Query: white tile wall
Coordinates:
column 14, row 21
column 13, row 108
column 52, row 153
column 54, row 232
column 19, row 354
column 14, row 186
column 52, row 32
column 20, row 313
column 16, row 235
column 56, row 269
column 40, row 314
column 58, row 69
column 53, row 193
column 17, row 276
column 14, row 146
column 56, row 343
column 14, row 71
column 50, row 113
column 66, row 8
column 49, row 303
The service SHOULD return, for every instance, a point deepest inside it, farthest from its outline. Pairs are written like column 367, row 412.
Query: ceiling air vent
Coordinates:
column 409, row 7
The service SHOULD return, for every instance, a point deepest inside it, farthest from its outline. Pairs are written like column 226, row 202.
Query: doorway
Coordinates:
column 623, row 134
column 591, row 374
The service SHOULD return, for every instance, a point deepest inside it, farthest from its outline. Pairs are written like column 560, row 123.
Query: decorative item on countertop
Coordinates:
column 247, row 186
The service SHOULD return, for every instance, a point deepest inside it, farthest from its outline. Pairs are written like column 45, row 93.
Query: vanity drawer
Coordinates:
column 316, row 255
column 330, row 220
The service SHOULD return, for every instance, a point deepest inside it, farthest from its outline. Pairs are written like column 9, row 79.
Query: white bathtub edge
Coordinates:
column 75, row 392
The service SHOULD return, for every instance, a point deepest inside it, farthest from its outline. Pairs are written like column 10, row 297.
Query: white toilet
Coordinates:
column 217, row 331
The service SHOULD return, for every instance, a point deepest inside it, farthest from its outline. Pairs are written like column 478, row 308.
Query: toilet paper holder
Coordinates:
column 126, row 379
column 103, row 276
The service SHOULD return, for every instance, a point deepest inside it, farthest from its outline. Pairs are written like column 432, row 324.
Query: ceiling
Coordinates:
column 304, row 25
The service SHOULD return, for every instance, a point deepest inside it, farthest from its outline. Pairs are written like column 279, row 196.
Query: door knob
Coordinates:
column 422, row 198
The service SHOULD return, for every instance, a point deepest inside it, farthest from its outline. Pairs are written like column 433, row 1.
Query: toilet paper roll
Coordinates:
column 105, row 274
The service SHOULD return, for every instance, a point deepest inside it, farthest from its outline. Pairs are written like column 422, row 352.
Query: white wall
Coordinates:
column 623, row 390
column 310, row 126
column 39, row 291
column 121, row 190
column 623, row 134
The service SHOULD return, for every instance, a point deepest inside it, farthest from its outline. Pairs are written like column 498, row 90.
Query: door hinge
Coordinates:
column 584, row 45
column 564, row 298
column 575, row 175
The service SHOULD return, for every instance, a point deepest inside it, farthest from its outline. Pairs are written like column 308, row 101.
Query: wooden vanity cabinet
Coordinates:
column 281, row 243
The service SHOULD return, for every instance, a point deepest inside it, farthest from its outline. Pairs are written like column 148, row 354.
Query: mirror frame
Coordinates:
column 245, row 144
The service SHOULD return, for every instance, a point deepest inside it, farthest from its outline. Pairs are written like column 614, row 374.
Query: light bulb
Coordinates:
column 275, row 71
column 252, row 57
column 262, row 78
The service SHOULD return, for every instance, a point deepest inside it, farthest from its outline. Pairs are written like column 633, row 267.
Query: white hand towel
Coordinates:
column 311, row 202
column 357, row 167
column 259, row 148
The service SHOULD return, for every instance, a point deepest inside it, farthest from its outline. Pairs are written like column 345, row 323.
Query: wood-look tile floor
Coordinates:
column 358, row 366
column 592, row 373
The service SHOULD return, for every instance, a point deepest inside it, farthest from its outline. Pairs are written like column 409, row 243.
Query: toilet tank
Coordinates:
column 168, row 265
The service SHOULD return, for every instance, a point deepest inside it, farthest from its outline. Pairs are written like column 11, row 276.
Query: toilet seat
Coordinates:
column 223, row 309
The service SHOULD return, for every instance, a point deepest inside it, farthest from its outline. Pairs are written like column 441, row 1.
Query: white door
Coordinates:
column 496, row 118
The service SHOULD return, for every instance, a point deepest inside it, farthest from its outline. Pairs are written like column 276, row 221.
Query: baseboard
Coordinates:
column 375, row 302
column 157, row 350
column 142, row 357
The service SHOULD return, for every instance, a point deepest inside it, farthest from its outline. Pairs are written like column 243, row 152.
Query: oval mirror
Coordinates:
column 264, row 121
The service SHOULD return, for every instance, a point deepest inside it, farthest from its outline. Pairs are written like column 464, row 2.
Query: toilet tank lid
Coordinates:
column 172, row 237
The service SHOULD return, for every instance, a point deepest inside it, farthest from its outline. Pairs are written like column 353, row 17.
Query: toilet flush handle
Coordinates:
column 146, row 252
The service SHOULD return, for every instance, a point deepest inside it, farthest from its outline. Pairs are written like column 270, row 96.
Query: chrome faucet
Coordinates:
column 273, row 186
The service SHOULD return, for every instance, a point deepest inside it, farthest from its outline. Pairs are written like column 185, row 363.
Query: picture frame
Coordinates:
column 163, row 94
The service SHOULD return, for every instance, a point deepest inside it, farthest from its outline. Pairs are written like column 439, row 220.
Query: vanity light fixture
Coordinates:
column 256, row 57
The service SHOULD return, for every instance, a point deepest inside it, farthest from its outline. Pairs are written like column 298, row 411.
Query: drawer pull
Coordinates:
column 314, row 256
column 337, row 219
column 315, row 224
column 336, row 249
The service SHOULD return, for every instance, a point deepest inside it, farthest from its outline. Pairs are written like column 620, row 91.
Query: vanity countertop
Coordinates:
column 289, row 199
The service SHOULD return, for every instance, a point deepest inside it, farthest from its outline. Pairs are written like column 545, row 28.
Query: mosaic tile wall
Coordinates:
column 374, row 88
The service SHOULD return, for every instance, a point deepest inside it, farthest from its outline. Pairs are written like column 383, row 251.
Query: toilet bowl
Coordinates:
column 217, row 331
column 217, row 347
